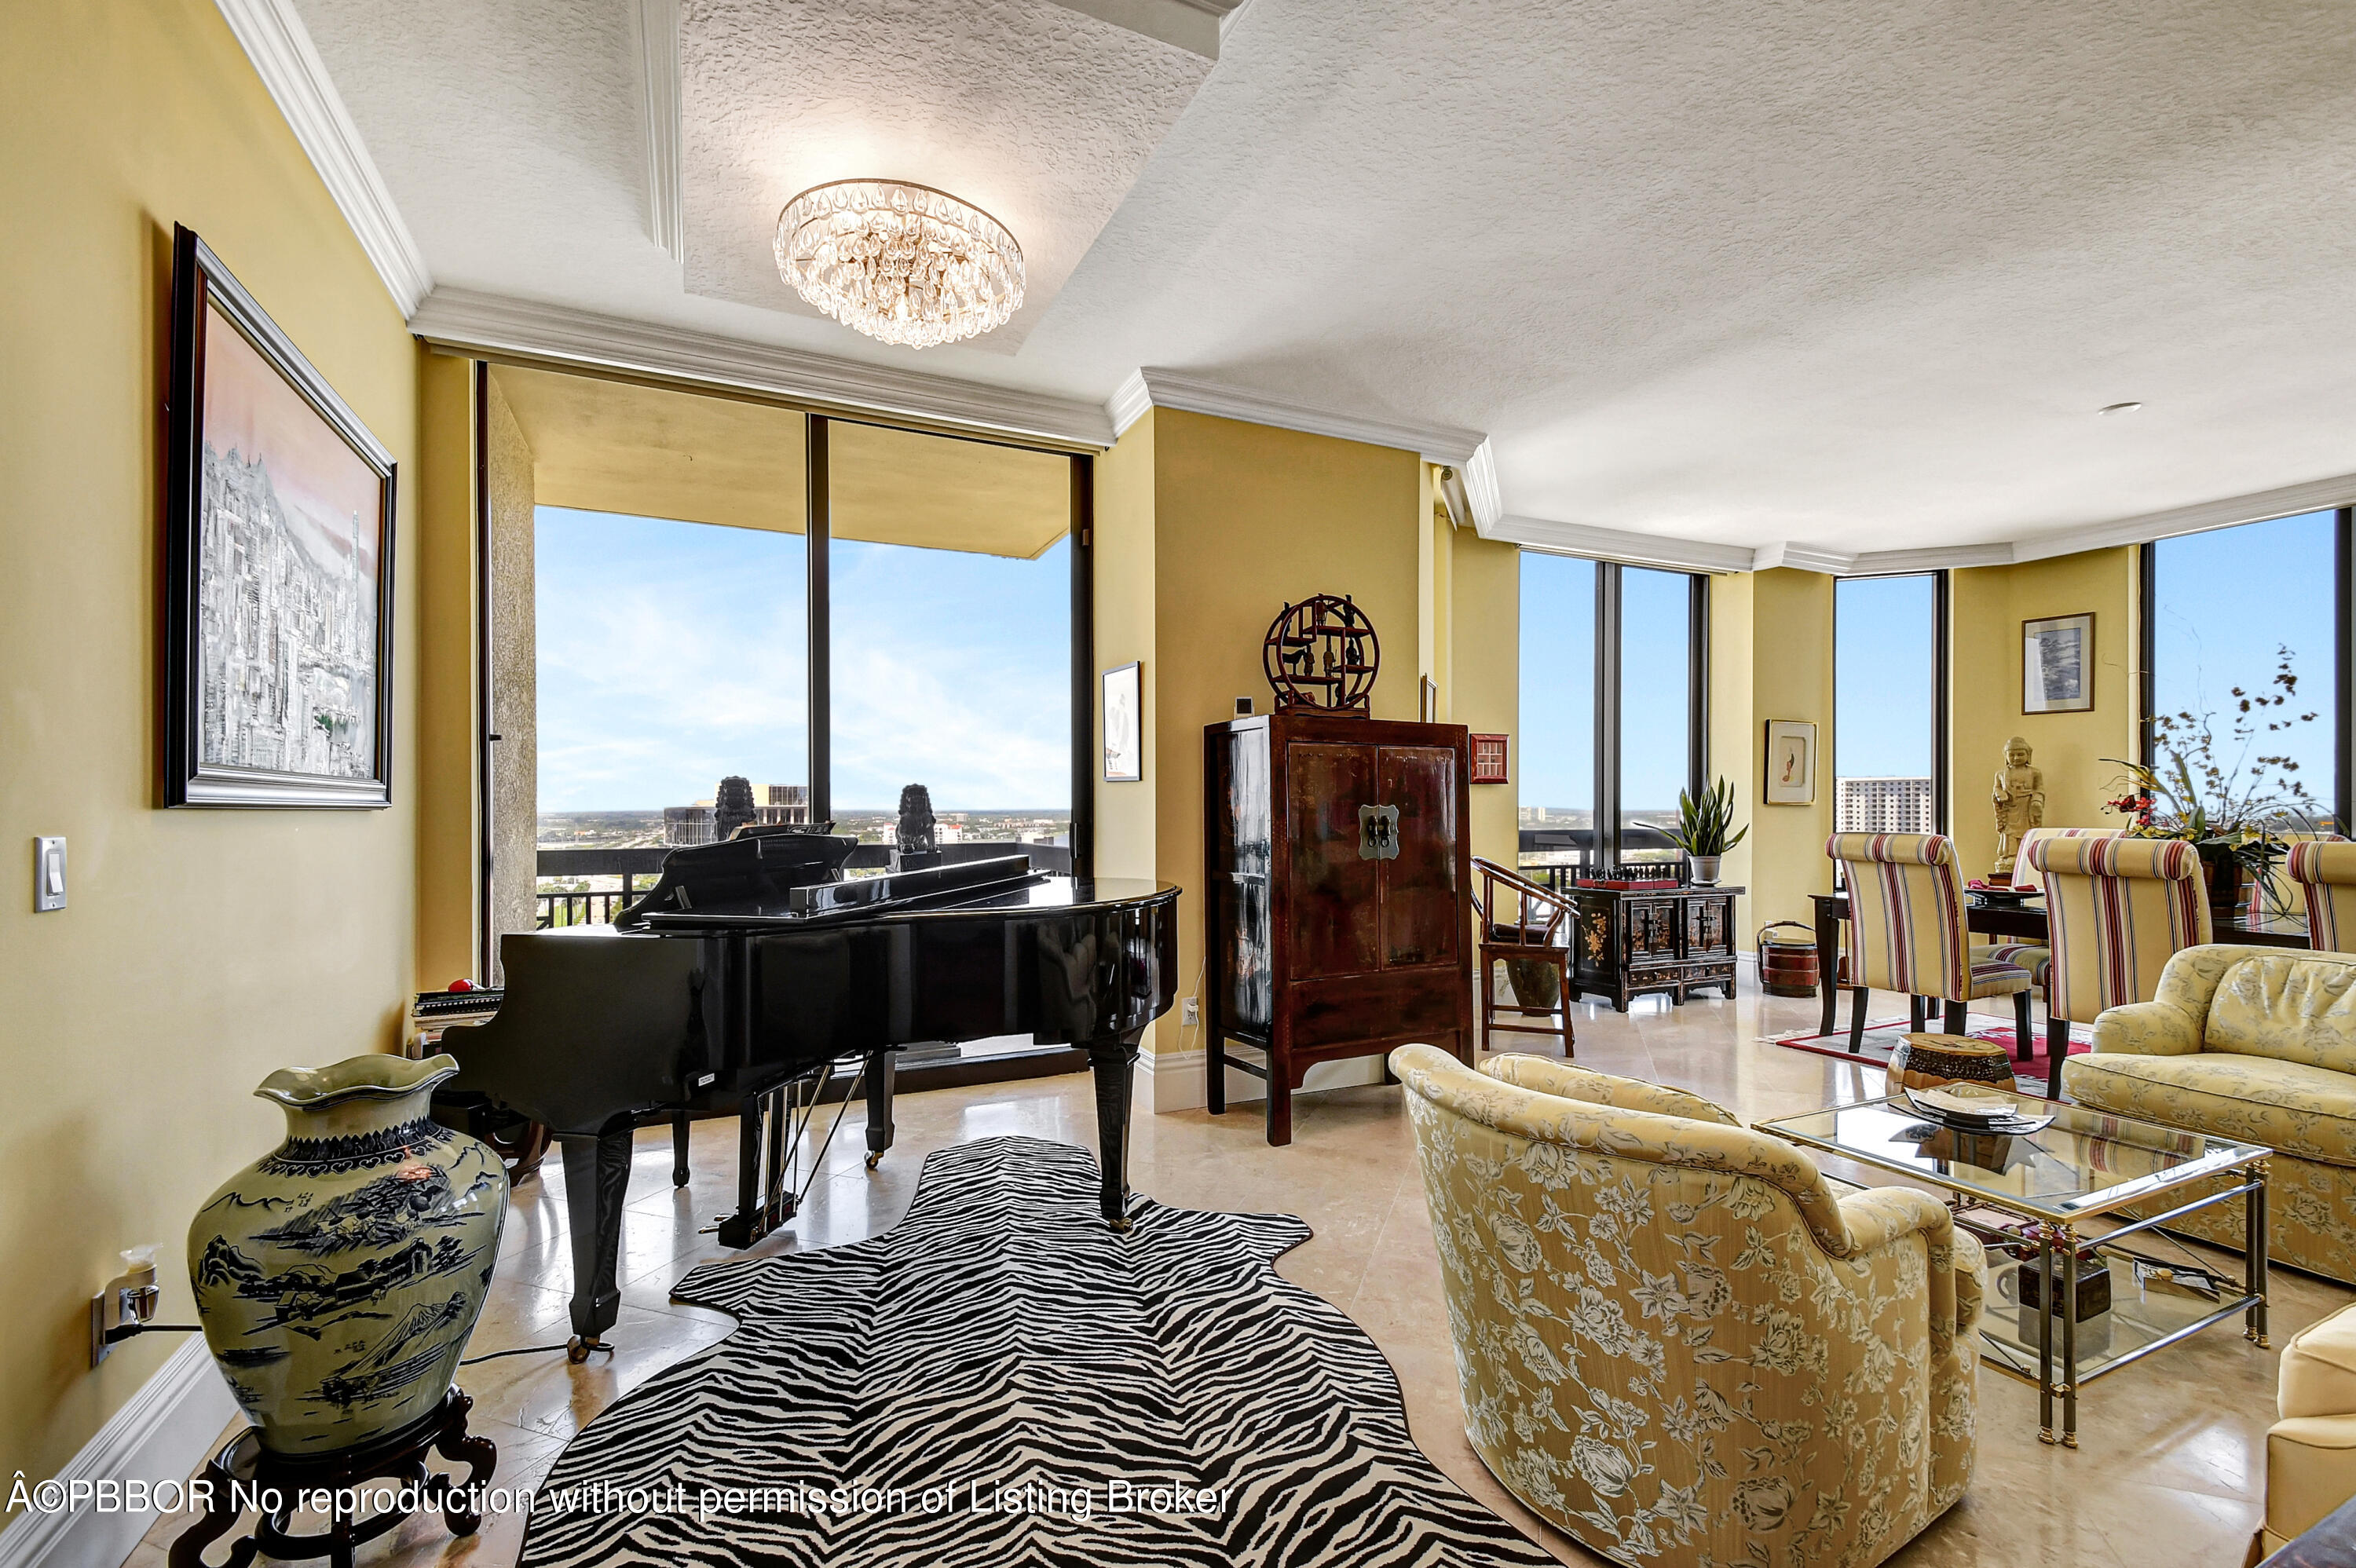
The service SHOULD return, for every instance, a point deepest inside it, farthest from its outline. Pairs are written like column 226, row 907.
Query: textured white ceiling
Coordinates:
column 1855, row 272
column 1037, row 114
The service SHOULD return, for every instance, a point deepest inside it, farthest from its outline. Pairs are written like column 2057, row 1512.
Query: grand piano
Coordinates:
column 753, row 968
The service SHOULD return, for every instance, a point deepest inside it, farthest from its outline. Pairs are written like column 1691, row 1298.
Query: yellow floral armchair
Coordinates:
column 2256, row 1044
column 1673, row 1341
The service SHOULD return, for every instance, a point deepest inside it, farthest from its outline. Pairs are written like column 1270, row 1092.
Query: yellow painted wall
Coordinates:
column 1483, row 686
column 1791, row 668
column 1990, row 604
column 448, row 827
column 1247, row 518
column 1205, row 529
column 1125, row 622
column 1733, row 721
column 201, row 949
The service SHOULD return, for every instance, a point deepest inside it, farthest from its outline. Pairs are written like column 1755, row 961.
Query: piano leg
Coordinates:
column 880, row 1070
column 679, row 1139
column 1112, row 1061
column 596, row 1181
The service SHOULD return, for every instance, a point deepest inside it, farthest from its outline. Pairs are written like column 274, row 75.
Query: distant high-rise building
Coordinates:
column 687, row 824
column 786, row 804
column 1886, row 805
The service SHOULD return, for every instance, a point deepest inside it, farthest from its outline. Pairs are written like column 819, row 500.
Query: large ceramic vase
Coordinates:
column 338, row 1277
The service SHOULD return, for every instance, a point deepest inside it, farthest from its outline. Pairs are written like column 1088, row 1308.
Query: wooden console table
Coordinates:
column 1627, row 942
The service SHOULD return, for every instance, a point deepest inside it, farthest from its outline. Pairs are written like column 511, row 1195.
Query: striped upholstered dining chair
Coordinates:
column 2117, row 909
column 2325, row 874
column 1906, row 931
column 2037, row 957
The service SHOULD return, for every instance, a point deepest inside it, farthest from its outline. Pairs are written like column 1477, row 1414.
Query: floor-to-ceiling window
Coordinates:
column 1557, row 773
column 1612, row 685
column 670, row 656
column 1888, row 718
column 2245, row 642
column 737, row 614
column 1657, row 697
column 947, row 678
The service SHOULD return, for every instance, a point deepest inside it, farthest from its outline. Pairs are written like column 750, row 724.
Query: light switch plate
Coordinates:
column 48, row 874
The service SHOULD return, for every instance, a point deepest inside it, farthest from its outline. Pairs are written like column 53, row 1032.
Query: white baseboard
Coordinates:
column 159, row 1434
column 1176, row 1081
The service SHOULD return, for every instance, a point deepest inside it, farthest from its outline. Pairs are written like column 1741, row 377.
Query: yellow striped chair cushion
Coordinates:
column 2117, row 910
column 2326, row 875
column 1906, row 919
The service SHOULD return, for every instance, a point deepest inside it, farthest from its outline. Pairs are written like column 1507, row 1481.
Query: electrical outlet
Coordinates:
column 1190, row 1012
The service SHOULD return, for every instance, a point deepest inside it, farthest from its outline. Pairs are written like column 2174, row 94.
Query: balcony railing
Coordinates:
column 639, row 868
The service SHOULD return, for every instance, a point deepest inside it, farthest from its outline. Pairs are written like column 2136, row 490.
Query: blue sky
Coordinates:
column 671, row 654
column 1557, row 768
column 2226, row 601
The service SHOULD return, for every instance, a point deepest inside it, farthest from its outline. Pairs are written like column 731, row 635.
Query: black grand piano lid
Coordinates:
column 756, row 866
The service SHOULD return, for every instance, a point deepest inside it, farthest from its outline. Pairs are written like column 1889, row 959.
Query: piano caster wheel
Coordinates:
column 874, row 1158
column 577, row 1349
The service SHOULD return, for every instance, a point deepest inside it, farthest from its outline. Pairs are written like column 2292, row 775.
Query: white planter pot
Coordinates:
column 1704, row 869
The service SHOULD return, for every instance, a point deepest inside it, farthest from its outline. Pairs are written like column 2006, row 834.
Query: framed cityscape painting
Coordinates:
column 278, row 507
column 2057, row 665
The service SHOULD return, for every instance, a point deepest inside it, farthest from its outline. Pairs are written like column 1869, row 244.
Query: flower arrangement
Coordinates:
column 2211, row 791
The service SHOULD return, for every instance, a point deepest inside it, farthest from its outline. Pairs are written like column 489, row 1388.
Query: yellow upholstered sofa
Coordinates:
column 2311, row 1451
column 1675, row 1342
column 2258, row 1044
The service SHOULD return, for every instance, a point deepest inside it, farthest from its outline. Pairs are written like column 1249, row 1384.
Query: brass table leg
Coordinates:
column 2045, row 1334
column 2254, row 1242
column 2067, row 1302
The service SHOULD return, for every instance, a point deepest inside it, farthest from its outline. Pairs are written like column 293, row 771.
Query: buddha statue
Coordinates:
column 2019, row 803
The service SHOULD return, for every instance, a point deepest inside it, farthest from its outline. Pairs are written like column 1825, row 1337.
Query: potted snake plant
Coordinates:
column 1705, row 830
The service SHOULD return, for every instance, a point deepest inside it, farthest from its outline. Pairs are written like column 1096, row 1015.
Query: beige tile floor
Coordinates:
column 2170, row 1473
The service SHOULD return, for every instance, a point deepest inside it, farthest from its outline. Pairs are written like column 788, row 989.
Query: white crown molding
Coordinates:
column 1195, row 26
column 492, row 324
column 1151, row 386
column 1481, row 489
column 1800, row 558
column 1942, row 558
column 658, row 76
column 2314, row 495
column 275, row 40
column 1618, row 544
column 160, row 1434
column 1127, row 403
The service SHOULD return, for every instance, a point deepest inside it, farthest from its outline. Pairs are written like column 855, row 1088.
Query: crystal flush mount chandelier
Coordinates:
column 904, row 264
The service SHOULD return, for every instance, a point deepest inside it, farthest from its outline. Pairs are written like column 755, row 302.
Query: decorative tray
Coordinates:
column 1971, row 1108
column 2000, row 898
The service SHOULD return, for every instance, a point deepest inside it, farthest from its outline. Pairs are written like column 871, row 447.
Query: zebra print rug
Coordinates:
column 1001, row 1380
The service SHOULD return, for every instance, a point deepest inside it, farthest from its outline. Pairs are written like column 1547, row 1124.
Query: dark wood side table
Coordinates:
column 2019, row 923
column 1631, row 941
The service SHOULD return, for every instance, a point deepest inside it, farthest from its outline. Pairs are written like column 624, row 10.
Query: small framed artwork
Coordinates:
column 1489, row 758
column 1124, row 730
column 1431, row 701
column 1790, row 762
column 278, row 565
column 2057, row 665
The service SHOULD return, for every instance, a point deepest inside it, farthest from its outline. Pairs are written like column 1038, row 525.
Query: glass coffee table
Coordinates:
column 2026, row 1196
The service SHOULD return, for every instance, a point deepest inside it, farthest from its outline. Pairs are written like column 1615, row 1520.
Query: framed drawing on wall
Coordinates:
column 1124, row 729
column 2057, row 665
column 1489, row 758
column 1790, row 762
column 278, row 508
